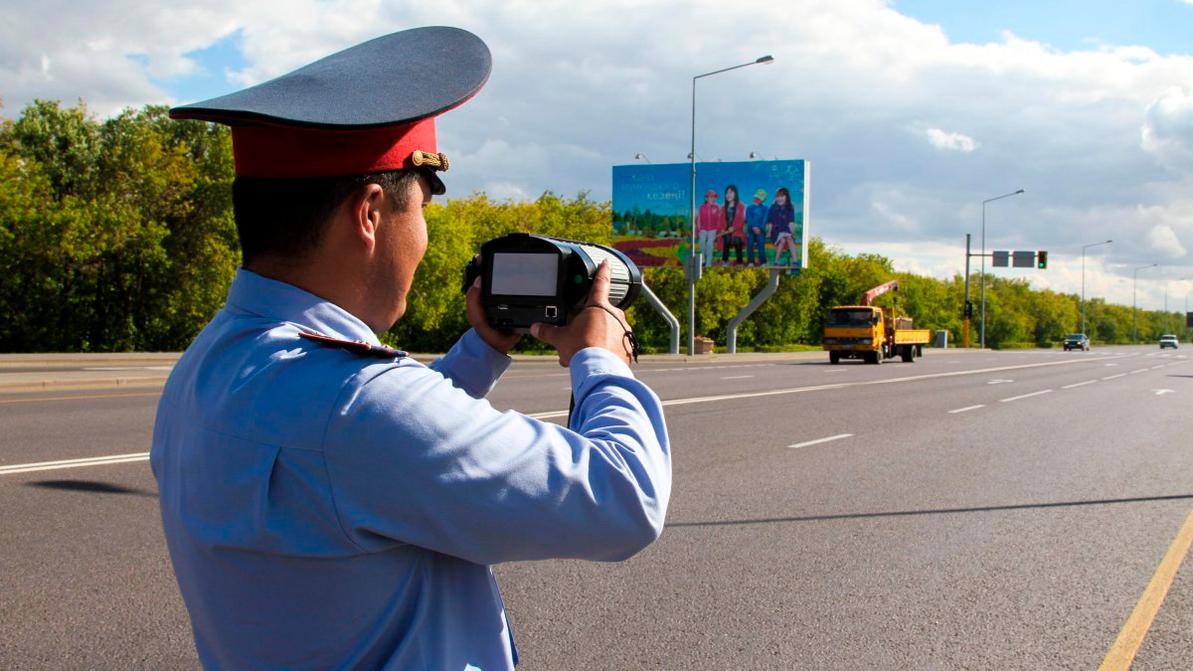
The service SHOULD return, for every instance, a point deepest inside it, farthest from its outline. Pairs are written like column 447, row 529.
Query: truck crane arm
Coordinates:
column 869, row 296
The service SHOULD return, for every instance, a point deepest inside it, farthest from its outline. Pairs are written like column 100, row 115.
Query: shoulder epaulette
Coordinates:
column 355, row 346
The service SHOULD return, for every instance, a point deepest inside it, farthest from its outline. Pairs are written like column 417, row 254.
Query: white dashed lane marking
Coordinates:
column 1021, row 396
column 967, row 409
column 821, row 440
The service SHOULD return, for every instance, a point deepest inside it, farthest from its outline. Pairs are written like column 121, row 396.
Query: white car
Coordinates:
column 1169, row 341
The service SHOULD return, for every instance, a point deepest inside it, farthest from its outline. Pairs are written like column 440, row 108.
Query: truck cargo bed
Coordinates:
column 912, row 336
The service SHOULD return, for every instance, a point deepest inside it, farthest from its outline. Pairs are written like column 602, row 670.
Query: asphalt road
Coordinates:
column 972, row 510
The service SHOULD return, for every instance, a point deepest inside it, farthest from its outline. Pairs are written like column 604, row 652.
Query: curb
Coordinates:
column 82, row 384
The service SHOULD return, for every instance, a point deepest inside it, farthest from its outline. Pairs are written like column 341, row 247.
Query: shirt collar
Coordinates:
column 274, row 300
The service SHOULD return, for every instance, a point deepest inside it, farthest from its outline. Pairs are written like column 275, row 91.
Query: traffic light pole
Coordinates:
column 967, row 308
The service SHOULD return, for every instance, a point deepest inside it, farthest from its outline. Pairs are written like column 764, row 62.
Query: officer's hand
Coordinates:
column 593, row 327
column 502, row 342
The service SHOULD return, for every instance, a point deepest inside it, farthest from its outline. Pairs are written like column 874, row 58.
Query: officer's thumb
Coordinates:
column 600, row 284
column 544, row 332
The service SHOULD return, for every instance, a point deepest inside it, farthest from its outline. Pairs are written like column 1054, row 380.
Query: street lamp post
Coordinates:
column 1134, row 309
column 1083, row 248
column 988, row 200
column 692, row 256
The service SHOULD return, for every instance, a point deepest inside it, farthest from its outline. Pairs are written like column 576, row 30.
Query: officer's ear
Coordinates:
column 365, row 213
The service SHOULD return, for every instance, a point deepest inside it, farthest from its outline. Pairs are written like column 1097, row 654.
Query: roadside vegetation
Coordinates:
column 117, row 235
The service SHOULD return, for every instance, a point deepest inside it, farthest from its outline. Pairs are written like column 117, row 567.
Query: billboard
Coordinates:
column 748, row 213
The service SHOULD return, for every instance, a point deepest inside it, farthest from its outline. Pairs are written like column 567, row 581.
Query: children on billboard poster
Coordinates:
column 752, row 214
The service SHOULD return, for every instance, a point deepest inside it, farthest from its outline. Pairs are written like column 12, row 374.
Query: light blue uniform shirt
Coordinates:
column 329, row 510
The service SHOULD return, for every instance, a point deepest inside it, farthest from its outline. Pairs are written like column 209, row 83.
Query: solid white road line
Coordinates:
column 967, row 408
column 1114, row 377
column 864, row 383
column 701, row 368
column 820, row 440
column 73, row 463
column 737, row 377
column 1078, row 384
column 1034, row 393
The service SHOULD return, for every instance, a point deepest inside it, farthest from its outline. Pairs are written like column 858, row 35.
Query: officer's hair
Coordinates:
column 286, row 218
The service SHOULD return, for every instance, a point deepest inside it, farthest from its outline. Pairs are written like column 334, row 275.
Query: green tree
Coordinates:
column 127, row 242
column 118, row 235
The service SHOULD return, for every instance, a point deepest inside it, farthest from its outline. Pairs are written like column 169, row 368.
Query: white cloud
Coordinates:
column 1167, row 131
column 1164, row 242
column 946, row 141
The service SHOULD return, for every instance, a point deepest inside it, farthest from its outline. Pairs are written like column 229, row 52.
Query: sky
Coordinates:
column 911, row 112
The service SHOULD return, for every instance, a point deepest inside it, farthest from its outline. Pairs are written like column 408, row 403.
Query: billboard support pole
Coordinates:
column 731, row 333
column 661, row 308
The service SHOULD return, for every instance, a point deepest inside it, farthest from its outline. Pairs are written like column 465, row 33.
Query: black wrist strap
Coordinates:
column 627, row 337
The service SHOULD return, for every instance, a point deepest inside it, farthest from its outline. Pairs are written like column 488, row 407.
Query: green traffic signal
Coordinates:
column 1042, row 260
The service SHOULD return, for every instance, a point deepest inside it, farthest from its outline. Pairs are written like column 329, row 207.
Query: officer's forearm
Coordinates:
column 472, row 365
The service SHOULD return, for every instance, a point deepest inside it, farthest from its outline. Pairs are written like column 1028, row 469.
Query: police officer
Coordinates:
column 327, row 501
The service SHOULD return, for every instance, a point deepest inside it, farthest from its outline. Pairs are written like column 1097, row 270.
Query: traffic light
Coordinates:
column 1042, row 260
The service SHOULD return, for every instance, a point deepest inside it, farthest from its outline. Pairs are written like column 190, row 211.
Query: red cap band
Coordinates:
column 297, row 152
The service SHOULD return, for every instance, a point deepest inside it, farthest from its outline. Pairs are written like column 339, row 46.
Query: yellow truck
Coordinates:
column 872, row 333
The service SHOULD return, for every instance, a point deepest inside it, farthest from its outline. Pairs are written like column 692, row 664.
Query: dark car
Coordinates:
column 1077, row 341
